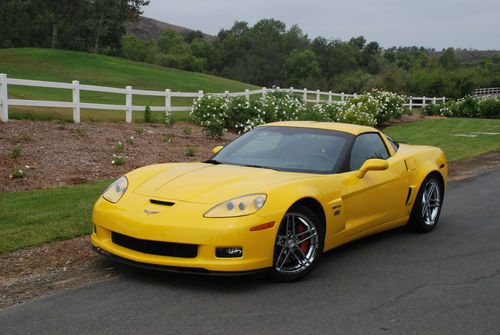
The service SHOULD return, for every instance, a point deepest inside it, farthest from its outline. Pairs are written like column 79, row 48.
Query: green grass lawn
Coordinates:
column 442, row 133
column 91, row 69
column 35, row 217
column 38, row 216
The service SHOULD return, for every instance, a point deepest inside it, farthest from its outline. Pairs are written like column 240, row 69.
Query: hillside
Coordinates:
column 65, row 66
column 147, row 28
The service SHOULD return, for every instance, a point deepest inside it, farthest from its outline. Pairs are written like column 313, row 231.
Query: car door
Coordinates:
column 379, row 196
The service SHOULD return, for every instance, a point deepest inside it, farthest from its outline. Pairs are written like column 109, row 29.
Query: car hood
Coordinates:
column 209, row 183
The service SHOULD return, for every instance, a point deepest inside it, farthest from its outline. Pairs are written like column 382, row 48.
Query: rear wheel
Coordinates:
column 298, row 245
column 427, row 207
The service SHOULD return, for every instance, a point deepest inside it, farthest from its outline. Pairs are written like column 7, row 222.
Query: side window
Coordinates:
column 365, row 147
column 394, row 144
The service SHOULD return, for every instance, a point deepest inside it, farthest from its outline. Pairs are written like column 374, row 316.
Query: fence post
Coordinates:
column 318, row 98
column 4, row 116
column 434, row 101
column 444, row 99
column 342, row 96
column 128, row 104
column 168, row 106
column 329, row 97
column 423, row 101
column 76, row 101
column 247, row 94
column 291, row 89
column 411, row 103
column 305, row 95
column 264, row 93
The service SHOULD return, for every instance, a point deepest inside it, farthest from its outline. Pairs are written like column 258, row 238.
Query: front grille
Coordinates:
column 155, row 247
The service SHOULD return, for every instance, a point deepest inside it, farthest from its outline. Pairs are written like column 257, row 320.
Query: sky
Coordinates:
column 438, row 24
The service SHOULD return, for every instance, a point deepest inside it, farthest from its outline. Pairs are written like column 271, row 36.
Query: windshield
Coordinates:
column 287, row 149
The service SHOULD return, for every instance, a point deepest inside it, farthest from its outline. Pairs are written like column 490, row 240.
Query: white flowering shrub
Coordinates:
column 467, row 107
column 280, row 106
column 391, row 105
column 489, row 107
column 210, row 112
column 243, row 115
column 356, row 113
column 216, row 114
column 313, row 113
column 324, row 112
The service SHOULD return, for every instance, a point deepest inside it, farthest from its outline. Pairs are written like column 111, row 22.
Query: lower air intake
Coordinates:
column 155, row 247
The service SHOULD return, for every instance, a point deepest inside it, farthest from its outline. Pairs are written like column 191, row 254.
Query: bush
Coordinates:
column 243, row 116
column 314, row 113
column 280, row 106
column 391, row 105
column 468, row 107
column 433, row 109
column 148, row 117
column 210, row 112
column 216, row 114
column 357, row 112
column 489, row 107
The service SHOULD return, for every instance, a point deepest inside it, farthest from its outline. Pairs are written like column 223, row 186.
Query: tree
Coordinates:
column 169, row 41
column 110, row 15
column 190, row 36
column 60, row 14
column 301, row 67
column 448, row 59
column 369, row 57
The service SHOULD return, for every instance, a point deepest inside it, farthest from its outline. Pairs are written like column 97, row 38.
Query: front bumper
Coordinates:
column 183, row 223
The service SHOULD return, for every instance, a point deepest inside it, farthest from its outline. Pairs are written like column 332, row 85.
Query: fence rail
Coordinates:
column 486, row 91
column 309, row 96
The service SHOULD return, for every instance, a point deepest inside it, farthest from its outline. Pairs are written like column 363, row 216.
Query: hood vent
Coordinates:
column 162, row 203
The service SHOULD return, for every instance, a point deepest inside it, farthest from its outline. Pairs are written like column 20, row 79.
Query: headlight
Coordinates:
column 241, row 206
column 115, row 191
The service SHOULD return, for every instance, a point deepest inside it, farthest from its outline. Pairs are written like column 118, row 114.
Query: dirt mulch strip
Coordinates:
column 474, row 166
column 55, row 154
column 86, row 156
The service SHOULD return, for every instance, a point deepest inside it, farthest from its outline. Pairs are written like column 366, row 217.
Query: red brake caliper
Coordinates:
column 303, row 245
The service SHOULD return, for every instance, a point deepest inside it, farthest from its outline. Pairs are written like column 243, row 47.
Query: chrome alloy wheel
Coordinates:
column 297, row 244
column 431, row 202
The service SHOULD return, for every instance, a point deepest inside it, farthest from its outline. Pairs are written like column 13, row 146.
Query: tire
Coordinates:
column 427, row 207
column 298, row 245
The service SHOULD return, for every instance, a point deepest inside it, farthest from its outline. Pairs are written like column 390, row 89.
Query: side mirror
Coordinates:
column 217, row 149
column 372, row 165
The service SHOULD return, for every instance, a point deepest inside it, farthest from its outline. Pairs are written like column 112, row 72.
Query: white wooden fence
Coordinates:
column 317, row 97
column 486, row 92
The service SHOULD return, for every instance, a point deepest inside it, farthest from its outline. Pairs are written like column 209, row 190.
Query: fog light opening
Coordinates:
column 229, row 252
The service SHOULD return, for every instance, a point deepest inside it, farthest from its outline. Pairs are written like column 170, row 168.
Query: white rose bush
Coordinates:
column 216, row 114
column 468, row 107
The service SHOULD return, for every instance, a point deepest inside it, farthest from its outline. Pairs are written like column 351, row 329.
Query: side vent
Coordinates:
column 408, row 197
column 162, row 203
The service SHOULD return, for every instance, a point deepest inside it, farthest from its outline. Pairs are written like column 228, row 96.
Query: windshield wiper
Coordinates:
column 212, row 161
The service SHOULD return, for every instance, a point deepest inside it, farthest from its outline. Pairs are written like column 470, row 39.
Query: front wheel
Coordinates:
column 427, row 207
column 298, row 245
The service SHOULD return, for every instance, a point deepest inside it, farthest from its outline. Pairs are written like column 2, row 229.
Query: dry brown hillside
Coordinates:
column 147, row 28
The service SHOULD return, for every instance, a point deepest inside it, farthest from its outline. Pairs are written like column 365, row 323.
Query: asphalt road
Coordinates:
column 445, row 282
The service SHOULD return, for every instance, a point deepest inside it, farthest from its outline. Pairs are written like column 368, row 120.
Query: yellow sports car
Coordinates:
column 274, row 199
